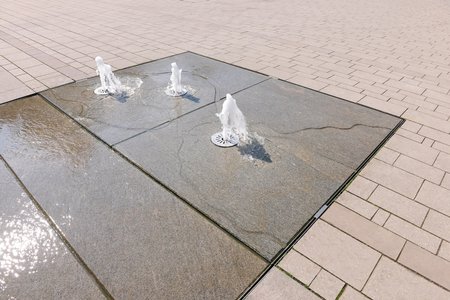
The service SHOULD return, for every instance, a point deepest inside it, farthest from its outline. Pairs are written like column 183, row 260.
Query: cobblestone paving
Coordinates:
column 388, row 234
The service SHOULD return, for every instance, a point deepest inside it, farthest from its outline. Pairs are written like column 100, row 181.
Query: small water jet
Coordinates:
column 234, row 127
column 175, row 89
column 110, row 83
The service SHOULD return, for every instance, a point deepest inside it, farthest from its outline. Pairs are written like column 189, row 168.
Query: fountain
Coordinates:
column 110, row 83
column 175, row 88
column 234, row 127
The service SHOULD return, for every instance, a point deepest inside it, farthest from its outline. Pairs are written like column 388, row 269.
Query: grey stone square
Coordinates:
column 264, row 194
column 137, row 238
column 114, row 120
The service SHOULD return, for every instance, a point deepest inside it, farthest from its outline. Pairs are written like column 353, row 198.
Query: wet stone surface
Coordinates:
column 137, row 238
column 263, row 193
column 114, row 119
column 34, row 262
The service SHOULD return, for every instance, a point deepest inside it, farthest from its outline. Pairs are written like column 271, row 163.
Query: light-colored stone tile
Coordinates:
column 342, row 93
column 299, row 266
column 362, row 187
column 427, row 120
column 409, row 135
column 435, row 197
column 357, row 204
column 327, row 285
column 438, row 224
column 444, row 251
column 426, row 264
column 412, row 233
column 380, row 217
column 411, row 126
column 364, row 230
column 446, row 181
column 278, row 286
column 352, row 294
column 339, row 253
column 383, row 105
column 420, row 169
column 399, row 205
column 393, row 178
column 443, row 162
column 387, row 155
column 393, row 281
column 308, row 82
column 412, row 149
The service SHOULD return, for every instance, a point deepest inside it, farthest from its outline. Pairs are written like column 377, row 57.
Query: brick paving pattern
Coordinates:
column 388, row 234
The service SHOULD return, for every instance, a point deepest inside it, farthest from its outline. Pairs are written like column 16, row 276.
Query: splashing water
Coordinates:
column 234, row 127
column 110, row 83
column 175, row 88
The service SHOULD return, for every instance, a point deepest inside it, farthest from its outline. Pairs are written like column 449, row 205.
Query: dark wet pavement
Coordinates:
column 166, row 214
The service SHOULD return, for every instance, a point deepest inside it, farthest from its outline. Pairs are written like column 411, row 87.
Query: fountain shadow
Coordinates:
column 191, row 97
column 254, row 150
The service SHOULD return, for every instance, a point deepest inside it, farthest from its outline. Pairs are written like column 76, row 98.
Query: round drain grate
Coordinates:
column 218, row 140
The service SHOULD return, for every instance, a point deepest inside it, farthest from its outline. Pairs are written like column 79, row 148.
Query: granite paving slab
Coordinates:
column 263, row 193
column 114, row 119
column 139, row 239
column 34, row 262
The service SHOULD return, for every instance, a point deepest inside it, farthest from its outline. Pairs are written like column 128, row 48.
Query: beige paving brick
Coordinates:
column 327, row 285
column 420, row 102
column 393, row 281
column 412, row 233
column 444, row 251
column 339, row 253
column 380, row 217
column 409, row 135
column 438, row 224
column 392, row 177
column 299, row 266
column 278, row 286
column 412, row 149
column 39, row 70
column 369, row 76
column 364, row 230
column 427, row 120
column 387, row 155
column 357, row 204
column 362, row 187
column 420, row 169
column 383, row 106
column 441, row 147
column 352, row 294
column 435, row 197
column 405, row 86
column 426, row 264
column 342, row 93
column 412, row 126
column 428, row 142
column 443, row 162
column 307, row 82
column 437, row 95
column 446, row 182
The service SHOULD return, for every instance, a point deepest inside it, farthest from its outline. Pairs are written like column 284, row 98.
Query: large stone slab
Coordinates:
column 34, row 262
column 140, row 240
column 114, row 120
column 314, row 142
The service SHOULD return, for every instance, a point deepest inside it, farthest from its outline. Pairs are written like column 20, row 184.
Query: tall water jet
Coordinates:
column 234, row 127
column 175, row 88
column 110, row 83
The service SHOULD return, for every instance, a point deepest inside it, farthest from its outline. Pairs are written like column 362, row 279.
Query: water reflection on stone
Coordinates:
column 30, row 122
column 26, row 242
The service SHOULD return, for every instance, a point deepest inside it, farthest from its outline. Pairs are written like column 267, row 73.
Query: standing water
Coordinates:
column 175, row 88
column 234, row 127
